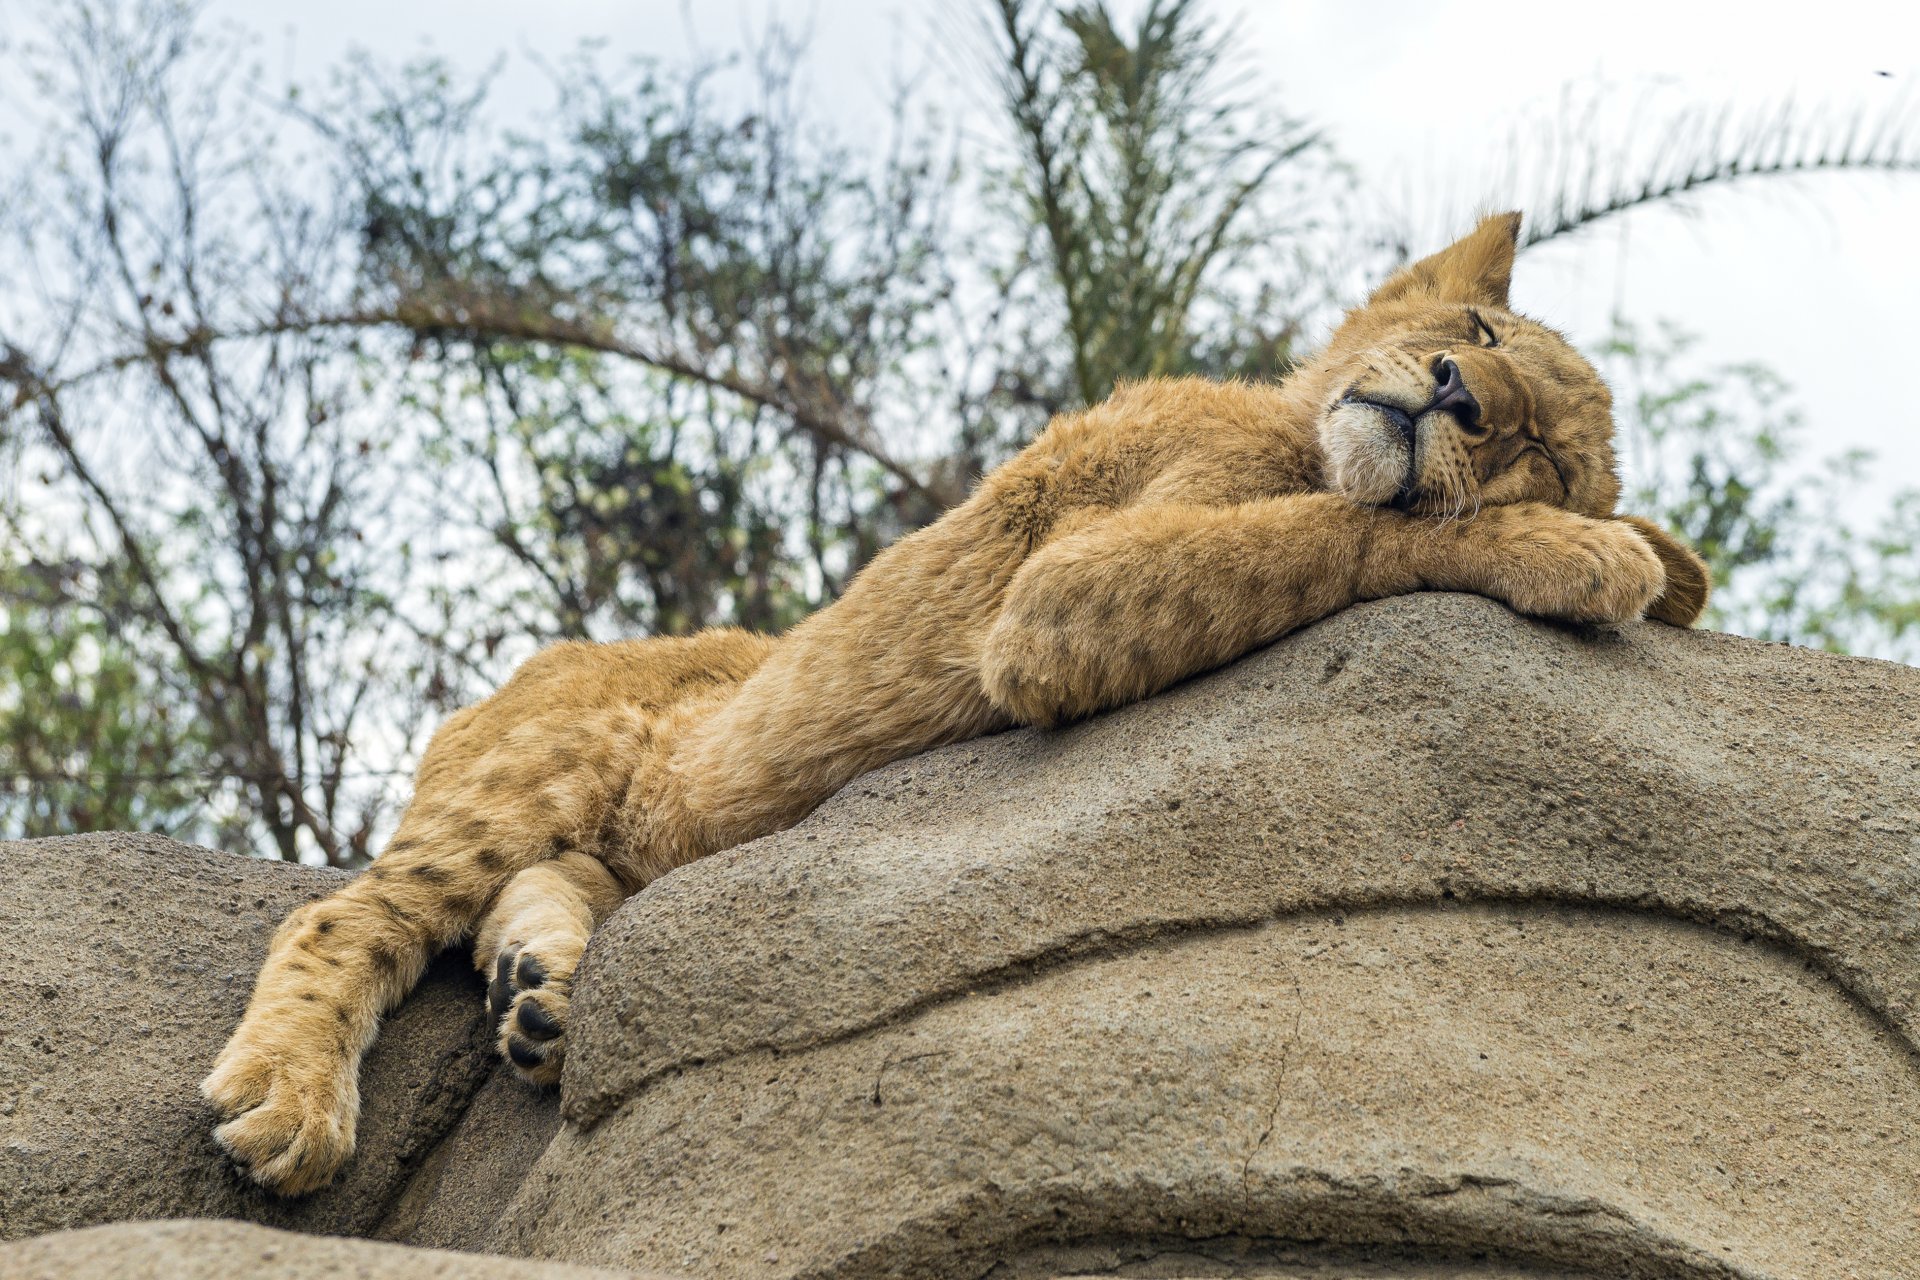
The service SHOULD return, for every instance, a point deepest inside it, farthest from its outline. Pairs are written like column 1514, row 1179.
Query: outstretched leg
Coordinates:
column 888, row 671
column 1125, row 607
column 533, row 774
column 287, row 1082
column 529, row 944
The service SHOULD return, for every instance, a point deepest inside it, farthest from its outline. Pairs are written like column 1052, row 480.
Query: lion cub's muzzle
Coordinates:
column 1373, row 434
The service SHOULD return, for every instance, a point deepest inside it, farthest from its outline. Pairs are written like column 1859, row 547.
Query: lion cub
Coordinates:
column 1440, row 442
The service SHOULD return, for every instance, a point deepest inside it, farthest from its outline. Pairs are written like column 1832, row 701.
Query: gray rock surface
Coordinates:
column 1626, row 1094
column 1429, row 944
column 200, row 1250
column 1223, row 966
column 459, row 1191
column 135, row 957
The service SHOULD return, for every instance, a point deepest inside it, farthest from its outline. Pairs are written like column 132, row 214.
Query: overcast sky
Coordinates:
column 1817, row 277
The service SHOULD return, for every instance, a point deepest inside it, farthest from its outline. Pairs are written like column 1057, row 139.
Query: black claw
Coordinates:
column 530, row 973
column 500, row 990
column 536, row 1022
column 523, row 1054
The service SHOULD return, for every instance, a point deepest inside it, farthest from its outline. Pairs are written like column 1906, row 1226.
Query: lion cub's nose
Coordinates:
column 1452, row 395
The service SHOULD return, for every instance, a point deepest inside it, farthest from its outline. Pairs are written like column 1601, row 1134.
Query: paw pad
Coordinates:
column 536, row 1023
column 529, row 1009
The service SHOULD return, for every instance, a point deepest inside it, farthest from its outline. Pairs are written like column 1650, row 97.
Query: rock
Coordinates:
column 1428, row 934
column 135, row 957
column 456, row 1198
column 1429, row 944
column 199, row 1250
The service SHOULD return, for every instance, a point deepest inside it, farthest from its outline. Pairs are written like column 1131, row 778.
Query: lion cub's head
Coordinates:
column 1439, row 400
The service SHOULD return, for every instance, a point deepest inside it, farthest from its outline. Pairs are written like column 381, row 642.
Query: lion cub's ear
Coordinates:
column 1688, row 582
column 1475, row 270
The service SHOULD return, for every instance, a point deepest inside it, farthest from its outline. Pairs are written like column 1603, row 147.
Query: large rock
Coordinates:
column 198, row 1250
column 1431, row 933
column 132, row 958
column 1430, row 943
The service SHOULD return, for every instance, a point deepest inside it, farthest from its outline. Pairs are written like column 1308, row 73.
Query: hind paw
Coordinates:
column 528, row 998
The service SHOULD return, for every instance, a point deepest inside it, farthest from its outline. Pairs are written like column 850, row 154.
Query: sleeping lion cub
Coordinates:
column 1440, row 442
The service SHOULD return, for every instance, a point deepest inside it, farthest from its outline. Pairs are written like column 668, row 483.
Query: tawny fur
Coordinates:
column 1167, row 531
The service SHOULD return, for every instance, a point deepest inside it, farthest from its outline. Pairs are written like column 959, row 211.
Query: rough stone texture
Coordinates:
column 456, row 1198
column 198, row 1250
column 134, row 957
column 1429, row 944
column 1212, row 967
column 1629, row 1094
column 1190, row 1259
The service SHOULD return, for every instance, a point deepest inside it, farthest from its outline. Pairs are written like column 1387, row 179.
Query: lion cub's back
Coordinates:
column 608, row 695
column 652, row 672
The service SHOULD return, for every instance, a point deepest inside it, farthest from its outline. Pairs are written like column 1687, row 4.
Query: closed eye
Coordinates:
column 1558, row 470
column 1488, row 338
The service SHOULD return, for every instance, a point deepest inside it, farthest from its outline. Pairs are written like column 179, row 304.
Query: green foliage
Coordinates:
column 623, row 523
column 1714, row 452
column 90, row 739
column 221, row 501
column 691, row 331
column 1594, row 161
column 1144, row 177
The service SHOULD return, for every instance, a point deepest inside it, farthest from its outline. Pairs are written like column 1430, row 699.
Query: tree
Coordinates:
column 324, row 458
column 674, row 345
column 1714, row 452
column 1144, row 181
column 215, row 504
column 91, row 738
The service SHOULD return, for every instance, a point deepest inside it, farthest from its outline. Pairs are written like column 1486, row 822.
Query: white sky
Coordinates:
column 1817, row 277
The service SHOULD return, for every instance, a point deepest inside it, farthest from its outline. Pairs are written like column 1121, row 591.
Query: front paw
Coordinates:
column 1028, row 695
column 528, row 999
column 289, row 1109
column 1032, row 673
column 1590, row 571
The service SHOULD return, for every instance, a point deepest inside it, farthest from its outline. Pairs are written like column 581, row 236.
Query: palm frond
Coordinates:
column 1594, row 163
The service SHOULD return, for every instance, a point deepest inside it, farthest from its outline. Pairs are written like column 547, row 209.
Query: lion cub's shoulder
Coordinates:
column 1223, row 442
column 1188, row 440
column 1160, row 421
